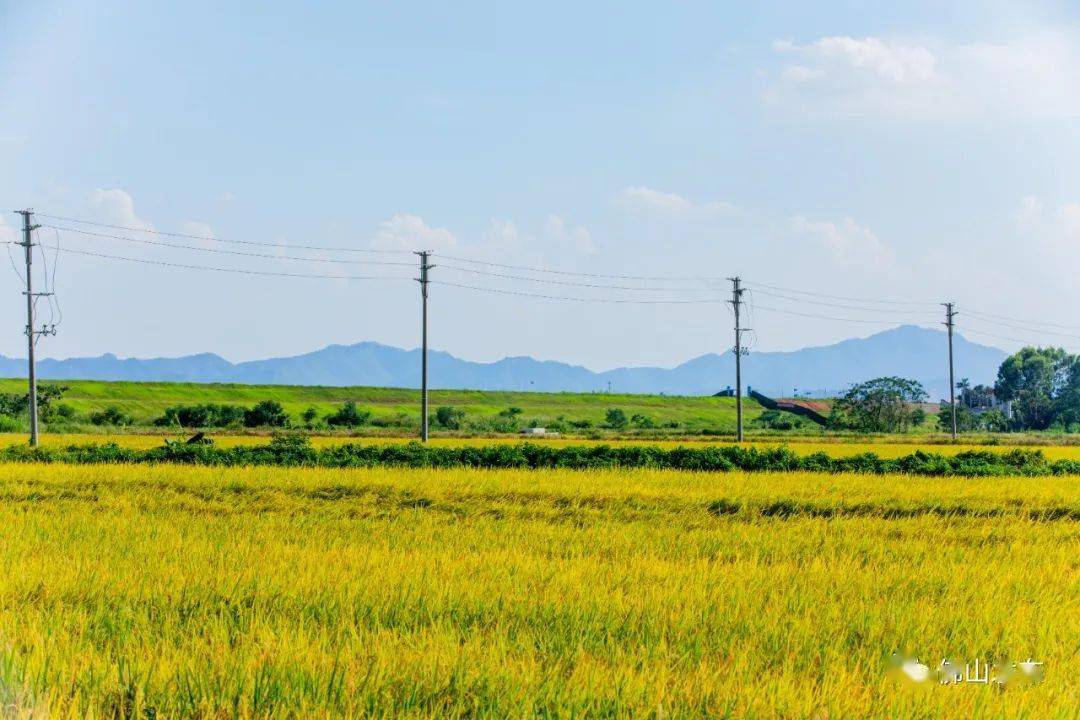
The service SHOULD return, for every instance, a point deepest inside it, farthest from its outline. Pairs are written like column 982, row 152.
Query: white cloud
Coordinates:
column 410, row 232
column 847, row 242
column 201, row 234
column 658, row 201
column 1031, row 76
column 890, row 61
column 562, row 238
column 117, row 207
column 801, row 73
column 1056, row 230
column 1047, row 237
column 503, row 235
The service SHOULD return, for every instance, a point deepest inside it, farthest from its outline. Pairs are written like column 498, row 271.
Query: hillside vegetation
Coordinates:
column 399, row 408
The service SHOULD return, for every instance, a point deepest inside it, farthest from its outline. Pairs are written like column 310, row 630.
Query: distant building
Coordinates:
column 539, row 431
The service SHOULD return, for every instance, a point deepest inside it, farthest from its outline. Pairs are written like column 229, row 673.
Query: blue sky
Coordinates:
column 918, row 152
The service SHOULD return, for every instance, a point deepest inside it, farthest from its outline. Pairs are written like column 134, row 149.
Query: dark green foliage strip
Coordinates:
column 297, row 451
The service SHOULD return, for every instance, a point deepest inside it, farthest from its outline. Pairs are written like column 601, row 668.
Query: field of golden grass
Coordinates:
column 198, row 592
column 802, row 446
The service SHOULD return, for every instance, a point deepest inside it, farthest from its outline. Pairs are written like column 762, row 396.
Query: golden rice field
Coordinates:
column 176, row 592
column 802, row 446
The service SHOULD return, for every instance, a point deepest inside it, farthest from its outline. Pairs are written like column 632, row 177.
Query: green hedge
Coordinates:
column 297, row 451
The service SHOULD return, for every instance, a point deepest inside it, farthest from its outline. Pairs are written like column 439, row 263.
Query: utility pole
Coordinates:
column 31, row 334
column 950, row 315
column 736, row 303
column 425, row 266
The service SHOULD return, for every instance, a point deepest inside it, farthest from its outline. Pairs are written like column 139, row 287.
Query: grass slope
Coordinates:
column 146, row 401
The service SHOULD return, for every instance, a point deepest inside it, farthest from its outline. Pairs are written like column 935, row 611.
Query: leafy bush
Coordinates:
column 449, row 417
column 47, row 393
column 111, row 416
column 398, row 420
column 268, row 413
column 15, row 404
column 348, row 415
column 63, row 412
column 291, row 450
column 494, row 424
column 207, row 415
column 309, row 416
column 643, row 422
column 778, row 420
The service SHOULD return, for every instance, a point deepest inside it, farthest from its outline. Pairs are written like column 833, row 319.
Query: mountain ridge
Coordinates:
column 908, row 351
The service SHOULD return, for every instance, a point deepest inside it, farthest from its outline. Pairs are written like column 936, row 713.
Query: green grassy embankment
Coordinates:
column 146, row 401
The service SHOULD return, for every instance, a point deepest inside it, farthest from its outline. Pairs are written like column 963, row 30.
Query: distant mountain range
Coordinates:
column 908, row 351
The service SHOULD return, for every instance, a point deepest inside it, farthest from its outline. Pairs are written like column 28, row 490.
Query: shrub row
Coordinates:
column 297, row 451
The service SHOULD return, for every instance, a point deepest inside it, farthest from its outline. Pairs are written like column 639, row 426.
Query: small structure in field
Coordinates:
column 538, row 431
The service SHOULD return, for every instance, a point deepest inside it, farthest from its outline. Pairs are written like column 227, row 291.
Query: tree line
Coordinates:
column 1035, row 389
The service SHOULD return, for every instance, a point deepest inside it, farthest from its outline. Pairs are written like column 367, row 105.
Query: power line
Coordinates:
column 1033, row 331
column 223, row 240
column 229, row 252
column 574, row 299
column 995, row 318
column 1012, row 339
column 659, row 278
column 575, row 284
column 844, row 297
column 240, row 271
column 882, row 321
column 844, row 307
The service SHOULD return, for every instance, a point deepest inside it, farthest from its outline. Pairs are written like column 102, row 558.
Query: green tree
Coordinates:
column 1037, row 381
column 885, row 404
column 1067, row 404
column 966, row 420
column 309, row 416
column 268, row 413
column 615, row 418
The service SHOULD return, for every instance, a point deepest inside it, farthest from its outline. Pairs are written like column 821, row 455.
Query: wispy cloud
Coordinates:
column 1035, row 76
column 847, row 242
column 645, row 199
column 410, row 232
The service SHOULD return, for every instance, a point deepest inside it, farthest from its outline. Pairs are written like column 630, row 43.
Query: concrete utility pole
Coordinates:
column 950, row 315
column 736, row 303
column 31, row 334
column 425, row 266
